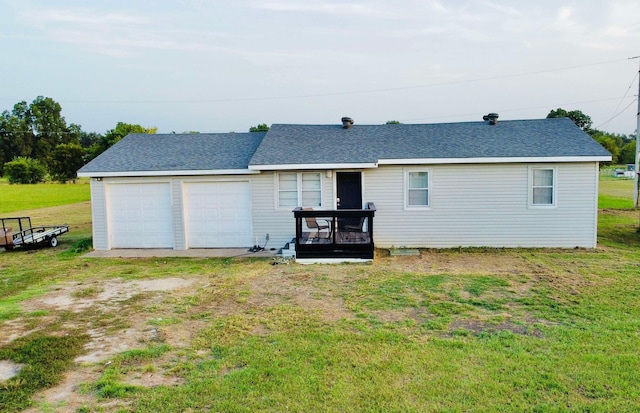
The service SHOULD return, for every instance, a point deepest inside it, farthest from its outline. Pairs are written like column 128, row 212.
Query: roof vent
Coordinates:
column 347, row 122
column 492, row 118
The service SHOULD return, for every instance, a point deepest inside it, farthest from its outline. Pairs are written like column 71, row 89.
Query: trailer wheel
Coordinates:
column 53, row 241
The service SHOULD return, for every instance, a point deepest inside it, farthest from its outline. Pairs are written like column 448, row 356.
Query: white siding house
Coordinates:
column 512, row 184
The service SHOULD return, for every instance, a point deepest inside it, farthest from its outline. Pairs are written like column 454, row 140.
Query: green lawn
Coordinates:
column 15, row 198
column 450, row 330
column 616, row 193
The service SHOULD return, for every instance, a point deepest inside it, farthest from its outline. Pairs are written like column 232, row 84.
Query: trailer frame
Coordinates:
column 18, row 232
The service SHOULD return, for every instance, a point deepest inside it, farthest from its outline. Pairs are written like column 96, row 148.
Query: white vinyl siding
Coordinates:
column 99, row 215
column 278, row 222
column 542, row 182
column 485, row 205
column 417, row 188
column 299, row 189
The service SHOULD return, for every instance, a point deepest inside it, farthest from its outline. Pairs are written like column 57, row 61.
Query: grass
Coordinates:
column 616, row 193
column 449, row 330
column 45, row 359
column 28, row 197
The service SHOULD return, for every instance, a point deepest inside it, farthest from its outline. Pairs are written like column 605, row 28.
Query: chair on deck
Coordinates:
column 312, row 223
column 354, row 229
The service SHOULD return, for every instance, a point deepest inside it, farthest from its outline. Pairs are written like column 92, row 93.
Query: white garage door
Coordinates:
column 140, row 216
column 218, row 214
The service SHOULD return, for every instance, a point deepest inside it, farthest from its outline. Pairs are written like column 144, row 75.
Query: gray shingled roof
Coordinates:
column 331, row 144
column 173, row 152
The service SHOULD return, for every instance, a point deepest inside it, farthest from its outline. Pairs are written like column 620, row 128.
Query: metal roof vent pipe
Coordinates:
column 491, row 118
column 347, row 122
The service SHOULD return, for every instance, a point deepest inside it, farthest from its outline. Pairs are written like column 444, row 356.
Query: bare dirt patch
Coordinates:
column 92, row 302
column 297, row 288
column 9, row 369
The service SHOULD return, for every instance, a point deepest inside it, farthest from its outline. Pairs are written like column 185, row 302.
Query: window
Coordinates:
column 417, row 184
column 543, row 186
column 299, row 189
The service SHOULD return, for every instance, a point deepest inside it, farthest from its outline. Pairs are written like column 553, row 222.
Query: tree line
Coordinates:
column 36, row 142
column 621, row 147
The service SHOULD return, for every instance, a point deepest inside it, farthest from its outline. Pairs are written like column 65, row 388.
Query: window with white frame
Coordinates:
column 543, row 185
column 417, row 187
column 302, row 189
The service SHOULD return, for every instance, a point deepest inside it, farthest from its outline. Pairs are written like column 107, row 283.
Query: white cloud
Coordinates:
column 117, row 34
column 326, row 7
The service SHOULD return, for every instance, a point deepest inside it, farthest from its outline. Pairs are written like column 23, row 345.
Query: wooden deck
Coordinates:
column 335, row 234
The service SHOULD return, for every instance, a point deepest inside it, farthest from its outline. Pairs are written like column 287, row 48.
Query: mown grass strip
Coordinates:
column 26, row 197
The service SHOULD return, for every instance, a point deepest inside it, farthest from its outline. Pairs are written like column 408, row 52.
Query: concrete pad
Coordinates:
column 190, row 253
column 404, row 251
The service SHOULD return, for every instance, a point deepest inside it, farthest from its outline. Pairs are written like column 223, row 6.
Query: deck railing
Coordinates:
column 340, row 233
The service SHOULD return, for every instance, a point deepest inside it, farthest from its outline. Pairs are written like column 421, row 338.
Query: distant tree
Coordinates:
column 260, row 128
column 609, row 144
column 580, row 119
column 16, row 134
column 33, row 130
column 393, row 122
column 114, row 135
column 87, row 139
column 24, row 170
column 48, row 125
column 628, row 153
column 66, row 159
column 73, row 135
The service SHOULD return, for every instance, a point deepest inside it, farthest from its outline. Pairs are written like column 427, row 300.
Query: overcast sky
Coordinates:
column 220, row 66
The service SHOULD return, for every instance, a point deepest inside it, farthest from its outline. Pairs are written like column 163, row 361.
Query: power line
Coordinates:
column 618, row 114
column 615, row 112
column 522, row 109
column 343, row 93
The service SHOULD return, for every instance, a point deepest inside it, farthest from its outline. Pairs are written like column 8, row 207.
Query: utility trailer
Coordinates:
column 18, row 232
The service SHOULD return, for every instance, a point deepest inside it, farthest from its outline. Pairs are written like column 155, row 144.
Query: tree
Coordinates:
column 48, row 126
column 114, row 135
column 16, row 135
column 609, row 144
column 393, row 122
column 580, row 119
column 628, row 153
column 66, row 159
column 73, row 135
column 33, row 130
column 24, row 170
column 260, row 128
column 87, row 139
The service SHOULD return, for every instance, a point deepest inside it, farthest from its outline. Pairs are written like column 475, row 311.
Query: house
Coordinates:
column 521, row 183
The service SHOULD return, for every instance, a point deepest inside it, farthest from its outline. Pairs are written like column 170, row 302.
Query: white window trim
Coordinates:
column 406, row 190
column 554, row 203
column 298, row 190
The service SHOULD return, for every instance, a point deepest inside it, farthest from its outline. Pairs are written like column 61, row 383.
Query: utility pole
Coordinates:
column 637, row 170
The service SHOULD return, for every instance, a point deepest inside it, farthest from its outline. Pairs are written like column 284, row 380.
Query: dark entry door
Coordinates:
column 349, row 190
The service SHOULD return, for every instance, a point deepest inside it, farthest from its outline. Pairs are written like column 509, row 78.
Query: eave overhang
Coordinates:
column 285, row 167
column 441, row 161
column 168, row 173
